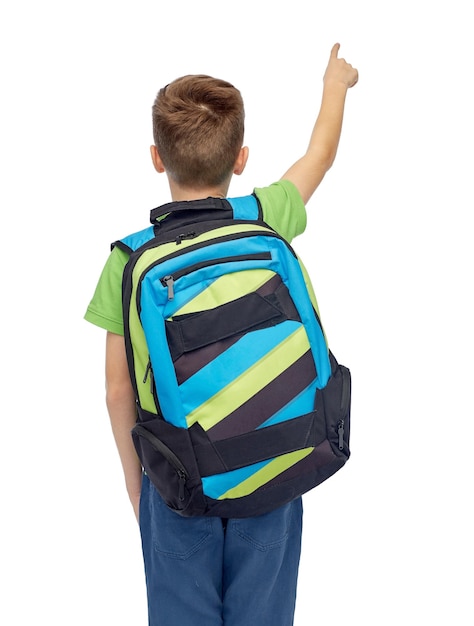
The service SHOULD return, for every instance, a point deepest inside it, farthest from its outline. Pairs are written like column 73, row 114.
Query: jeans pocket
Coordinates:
column 172, row 535
column 271, row 530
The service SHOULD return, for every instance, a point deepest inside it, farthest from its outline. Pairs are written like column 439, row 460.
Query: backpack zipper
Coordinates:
column 190, row 235
column 239, row 235
column 169, row 280
column 148, row 372
column 345, row 397
column 340, row 433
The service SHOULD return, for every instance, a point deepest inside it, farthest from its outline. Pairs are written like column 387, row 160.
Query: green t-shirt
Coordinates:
column 283, row 210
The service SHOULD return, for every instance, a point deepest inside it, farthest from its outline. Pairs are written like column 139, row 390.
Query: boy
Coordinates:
column 206, row 571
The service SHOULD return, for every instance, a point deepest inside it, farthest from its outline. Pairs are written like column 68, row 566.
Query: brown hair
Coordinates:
column 198, row 129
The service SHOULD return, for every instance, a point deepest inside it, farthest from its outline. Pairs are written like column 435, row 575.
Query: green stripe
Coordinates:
column 311, row 293
column 266, row 474
column 140, row 357
column 244, row 387
column 227, row 288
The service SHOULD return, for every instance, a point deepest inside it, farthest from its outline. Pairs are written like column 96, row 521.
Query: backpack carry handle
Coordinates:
column 189, row 205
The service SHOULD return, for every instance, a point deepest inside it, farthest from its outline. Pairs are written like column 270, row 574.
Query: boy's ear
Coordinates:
column 241, row 160
column 157, row 162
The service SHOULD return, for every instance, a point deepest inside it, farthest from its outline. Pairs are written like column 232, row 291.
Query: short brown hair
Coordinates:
column 198, row 129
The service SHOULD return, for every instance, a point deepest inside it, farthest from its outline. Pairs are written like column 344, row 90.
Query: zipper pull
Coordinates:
column 182, row 236
column 149, row 372
column 168, row 281
column 340, row 433
column 182, row 482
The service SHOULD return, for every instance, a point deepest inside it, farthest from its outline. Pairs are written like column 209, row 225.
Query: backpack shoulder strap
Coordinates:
column 246, row 208
column 134, row 241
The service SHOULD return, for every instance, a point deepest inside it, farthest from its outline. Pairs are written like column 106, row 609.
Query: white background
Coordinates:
column 388, row 540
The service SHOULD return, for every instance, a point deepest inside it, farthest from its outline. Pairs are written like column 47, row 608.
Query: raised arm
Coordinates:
column 311, row 168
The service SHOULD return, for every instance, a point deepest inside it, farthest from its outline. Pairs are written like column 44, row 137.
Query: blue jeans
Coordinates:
column 205, row 571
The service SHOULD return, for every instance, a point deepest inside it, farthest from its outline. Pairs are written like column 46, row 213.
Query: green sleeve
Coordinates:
column 283, row 208
column 105, row 308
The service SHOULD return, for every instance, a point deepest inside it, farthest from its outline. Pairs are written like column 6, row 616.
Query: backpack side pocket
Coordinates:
column 334, row 401
column 167, row 457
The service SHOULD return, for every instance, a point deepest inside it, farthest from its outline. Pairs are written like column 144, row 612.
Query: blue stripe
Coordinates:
column 232, row 363
column 297, row 287
column 165, row 376
column 215, row 486
column 245, row 208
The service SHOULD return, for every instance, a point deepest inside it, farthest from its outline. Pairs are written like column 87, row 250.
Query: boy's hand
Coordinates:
column 339, row 71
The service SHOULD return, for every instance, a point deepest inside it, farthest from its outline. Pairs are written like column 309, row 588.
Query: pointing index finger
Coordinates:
column 335, row 50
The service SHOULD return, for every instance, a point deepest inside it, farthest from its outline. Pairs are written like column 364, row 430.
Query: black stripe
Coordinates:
column 268, row 401
column 259, row 445
column 197, row 330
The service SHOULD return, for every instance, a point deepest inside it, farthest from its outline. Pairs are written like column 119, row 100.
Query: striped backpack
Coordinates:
column 241, row 407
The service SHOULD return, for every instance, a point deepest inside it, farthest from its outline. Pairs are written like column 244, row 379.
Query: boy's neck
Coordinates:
column 179, row 193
